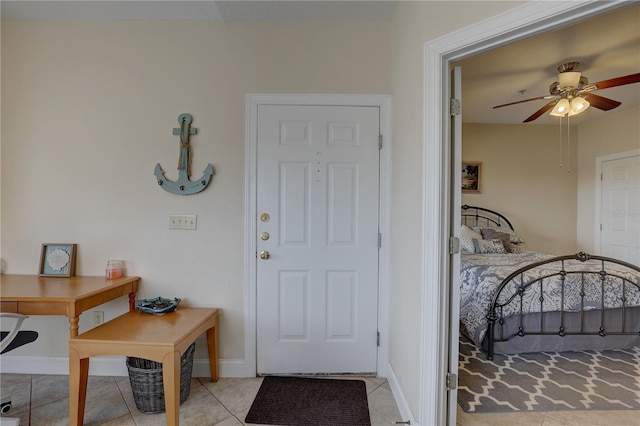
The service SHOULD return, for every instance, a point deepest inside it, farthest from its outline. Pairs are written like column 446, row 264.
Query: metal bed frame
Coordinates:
column 612, row 320
column 479, row 216
column 618, row 320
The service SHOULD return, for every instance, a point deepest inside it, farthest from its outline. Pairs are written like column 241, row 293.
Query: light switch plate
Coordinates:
column 183, row 221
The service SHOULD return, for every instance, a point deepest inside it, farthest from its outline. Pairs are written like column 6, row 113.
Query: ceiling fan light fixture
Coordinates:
column 569, row 79
column 578, row 105
column 561, row 108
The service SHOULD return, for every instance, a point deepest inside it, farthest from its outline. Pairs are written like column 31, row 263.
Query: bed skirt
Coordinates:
column 552, row 342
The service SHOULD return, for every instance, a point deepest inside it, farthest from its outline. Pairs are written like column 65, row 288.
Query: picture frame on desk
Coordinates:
column 57, row 260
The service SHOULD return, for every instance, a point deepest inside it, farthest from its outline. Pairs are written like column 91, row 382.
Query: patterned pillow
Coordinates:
column 492, row 234
column 467, row 235
column 519, row 248
column 488, row 246
column 513, row 237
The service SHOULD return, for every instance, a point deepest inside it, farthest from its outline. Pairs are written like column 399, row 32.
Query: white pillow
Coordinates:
column 467, row 235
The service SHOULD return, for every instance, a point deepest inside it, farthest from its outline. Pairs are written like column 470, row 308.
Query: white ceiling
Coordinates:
column 228, row 11
column 606, row 46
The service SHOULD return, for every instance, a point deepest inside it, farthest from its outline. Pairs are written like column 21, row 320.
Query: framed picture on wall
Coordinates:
column 57, row 260
column 471, row 176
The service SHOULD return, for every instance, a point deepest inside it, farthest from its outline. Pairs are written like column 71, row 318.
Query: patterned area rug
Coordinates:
column 548, row 381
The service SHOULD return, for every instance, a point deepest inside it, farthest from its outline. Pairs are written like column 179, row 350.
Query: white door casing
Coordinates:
column 619, row 211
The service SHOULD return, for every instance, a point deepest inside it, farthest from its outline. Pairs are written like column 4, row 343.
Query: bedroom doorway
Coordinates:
column 524, row 21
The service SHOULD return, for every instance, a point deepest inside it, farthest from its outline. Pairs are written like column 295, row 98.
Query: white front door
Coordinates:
column 317, row 239
column 620, row 214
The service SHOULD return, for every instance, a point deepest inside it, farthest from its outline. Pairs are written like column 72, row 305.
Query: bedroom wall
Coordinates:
column 618, row 131
column 522, row 179
column 88, row 110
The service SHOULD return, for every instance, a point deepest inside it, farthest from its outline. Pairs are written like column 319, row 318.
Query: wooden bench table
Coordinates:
column 160, row 338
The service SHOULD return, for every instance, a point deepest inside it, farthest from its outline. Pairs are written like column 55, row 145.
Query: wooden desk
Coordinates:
column 160, row 338
column 33, row 295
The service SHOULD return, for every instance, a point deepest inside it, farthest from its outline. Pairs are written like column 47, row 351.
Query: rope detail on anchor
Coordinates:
column 184, row 144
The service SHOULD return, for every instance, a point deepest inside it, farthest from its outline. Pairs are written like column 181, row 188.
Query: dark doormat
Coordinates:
column 310, row 401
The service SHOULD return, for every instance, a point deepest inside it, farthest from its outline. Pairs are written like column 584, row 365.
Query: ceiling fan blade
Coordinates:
column 519, row 102
column 601, row 102
column 614, row 82
column 541, row 111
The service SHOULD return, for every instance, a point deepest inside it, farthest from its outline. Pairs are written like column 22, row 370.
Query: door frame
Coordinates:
column 523, row 21
column 253, row 101
column 597, row 240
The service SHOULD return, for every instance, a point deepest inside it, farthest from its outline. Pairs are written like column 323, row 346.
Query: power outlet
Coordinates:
column 183, row 221
column 98, row 317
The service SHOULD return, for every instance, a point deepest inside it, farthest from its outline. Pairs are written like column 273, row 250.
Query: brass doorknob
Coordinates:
column 264, row 255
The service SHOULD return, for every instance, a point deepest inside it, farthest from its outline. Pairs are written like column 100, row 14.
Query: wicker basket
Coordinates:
column 147, row 385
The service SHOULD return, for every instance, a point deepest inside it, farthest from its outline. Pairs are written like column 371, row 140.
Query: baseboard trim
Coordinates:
column 398, row 395
column 110, row 366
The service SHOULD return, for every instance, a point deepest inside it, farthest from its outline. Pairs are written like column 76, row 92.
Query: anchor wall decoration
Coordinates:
column 184, row 186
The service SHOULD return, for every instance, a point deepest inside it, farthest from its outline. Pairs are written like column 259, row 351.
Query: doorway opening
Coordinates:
column 527, row 20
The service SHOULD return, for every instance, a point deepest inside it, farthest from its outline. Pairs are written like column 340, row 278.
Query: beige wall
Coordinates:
column 553, row 210
column 618, row 131
column 521, row 178
column 414, row 24
column 87, row 112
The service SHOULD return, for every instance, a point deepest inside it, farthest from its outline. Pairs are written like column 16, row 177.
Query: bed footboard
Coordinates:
column 553, row 296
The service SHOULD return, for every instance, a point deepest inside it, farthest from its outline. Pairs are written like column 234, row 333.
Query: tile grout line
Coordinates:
column 220, row 402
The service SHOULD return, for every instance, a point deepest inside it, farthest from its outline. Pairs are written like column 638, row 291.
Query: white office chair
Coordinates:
column 11, row 340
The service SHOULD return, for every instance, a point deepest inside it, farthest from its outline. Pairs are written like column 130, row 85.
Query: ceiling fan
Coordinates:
column 573, row 93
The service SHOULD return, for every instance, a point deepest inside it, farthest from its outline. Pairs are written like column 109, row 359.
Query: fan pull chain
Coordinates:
column 560, row 142
column 568, row 146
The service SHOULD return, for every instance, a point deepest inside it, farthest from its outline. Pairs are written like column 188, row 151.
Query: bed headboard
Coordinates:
column 479, row 216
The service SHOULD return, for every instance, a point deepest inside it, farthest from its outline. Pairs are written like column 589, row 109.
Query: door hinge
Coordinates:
column 454, row 106
column 454, row 245
column 379, row 141
column 452, row 381
column 379, row 240
column 378, row 339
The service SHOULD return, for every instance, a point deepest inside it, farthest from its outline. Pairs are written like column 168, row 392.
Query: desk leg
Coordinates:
column 212, row 346
column 171, row 383
column 132, row 302
column 73, row 326
column 78, row 376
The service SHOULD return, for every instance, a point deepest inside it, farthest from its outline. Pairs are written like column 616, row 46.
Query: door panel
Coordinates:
column 317, row 292
column 455, row 203
column 620, row 216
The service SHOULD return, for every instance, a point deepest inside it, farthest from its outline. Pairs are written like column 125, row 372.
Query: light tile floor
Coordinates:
column 43, row 400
